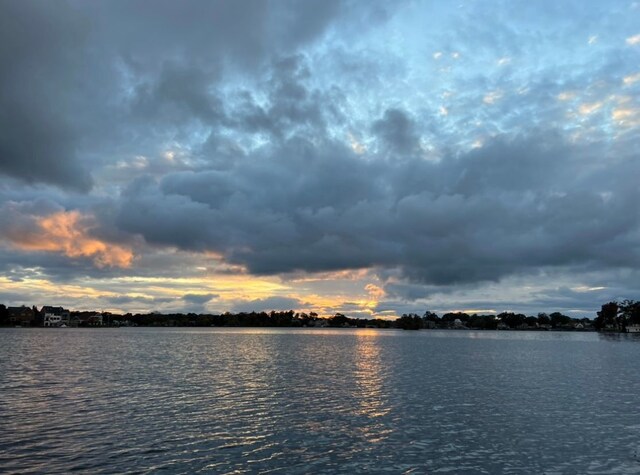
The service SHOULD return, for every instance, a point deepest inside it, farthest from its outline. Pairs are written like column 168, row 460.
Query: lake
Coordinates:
column 250, row 400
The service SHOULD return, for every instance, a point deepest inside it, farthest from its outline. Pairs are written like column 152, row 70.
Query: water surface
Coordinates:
column 141, row 400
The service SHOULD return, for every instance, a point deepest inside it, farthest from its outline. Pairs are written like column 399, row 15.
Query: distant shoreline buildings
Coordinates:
column 613, row 317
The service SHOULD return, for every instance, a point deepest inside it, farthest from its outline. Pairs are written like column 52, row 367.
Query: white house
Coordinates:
column 51, row 320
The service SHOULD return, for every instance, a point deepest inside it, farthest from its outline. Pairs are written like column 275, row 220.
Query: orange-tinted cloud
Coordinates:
column 68, row 232
column 375, row 292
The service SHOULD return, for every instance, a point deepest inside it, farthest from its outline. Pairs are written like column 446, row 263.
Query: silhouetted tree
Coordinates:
column 338, row 320
column 411, row 321
column 38, row 317
column 430, row 319
column 630, row 312
column 558, row 319
column 543, row 319
column 607, row 316
column 4, row 315
column 483, row 322
column 513, row 320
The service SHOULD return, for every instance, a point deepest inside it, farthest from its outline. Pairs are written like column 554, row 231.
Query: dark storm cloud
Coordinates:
column 40, row 60
column 75, row 75
column 261, row 208
column 241, row 32
column 293, row 105
column 513, row 205
column 179, row 93
column 397, row 131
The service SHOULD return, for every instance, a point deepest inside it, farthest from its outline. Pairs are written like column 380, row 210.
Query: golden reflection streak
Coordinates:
column 369, row 381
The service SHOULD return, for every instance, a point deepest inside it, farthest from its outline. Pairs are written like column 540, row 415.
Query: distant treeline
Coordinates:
column 502, row 321
column 618, row 316
column 287, row 318
column 613, row 316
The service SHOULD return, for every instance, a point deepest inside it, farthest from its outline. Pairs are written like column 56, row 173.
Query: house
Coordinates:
column 20, row 315
column 457, row 324
column 50, row 315
column 51, row 320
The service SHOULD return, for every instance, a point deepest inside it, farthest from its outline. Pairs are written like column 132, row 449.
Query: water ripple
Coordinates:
column 334, row 401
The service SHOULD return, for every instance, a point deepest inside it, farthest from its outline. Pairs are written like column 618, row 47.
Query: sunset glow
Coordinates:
column 68, row 233
column 368, row 160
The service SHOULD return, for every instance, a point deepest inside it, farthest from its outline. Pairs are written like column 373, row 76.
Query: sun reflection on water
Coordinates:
column 370, row 376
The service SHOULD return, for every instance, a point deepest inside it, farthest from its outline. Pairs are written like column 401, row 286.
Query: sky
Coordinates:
column 372, row 158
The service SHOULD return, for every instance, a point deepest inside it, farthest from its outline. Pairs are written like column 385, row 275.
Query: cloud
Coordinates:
column 37, row 136
column 199, row 299
column 548, row 291
column 492, row 97
column 83, row 78
column 179, row 93
column 590, row 108
column 509, row 206
column 631, row 79
column 64, row 232
column 633, row 40
column 397, row 131
column 136, row 299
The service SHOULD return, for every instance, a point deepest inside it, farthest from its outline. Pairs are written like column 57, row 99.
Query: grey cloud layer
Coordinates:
column 37, row 138
column 69, row 70
column 512, row 205
column 286, row 137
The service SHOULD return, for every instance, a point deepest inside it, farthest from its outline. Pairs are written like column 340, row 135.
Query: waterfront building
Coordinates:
column 21, row 315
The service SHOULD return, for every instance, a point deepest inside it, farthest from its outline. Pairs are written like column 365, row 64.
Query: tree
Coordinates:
column 543, row 319
column 38, row 317
column 430, row 316
column 338, row 320
column 531, row 321
column 483, row 322
column 453, row 316
column 409, row 322
column 607, row 316
column 512, row 320
column 4, row 315
column 558, row 319
column 630, row 312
